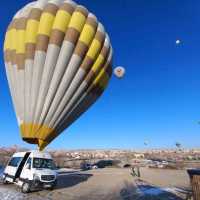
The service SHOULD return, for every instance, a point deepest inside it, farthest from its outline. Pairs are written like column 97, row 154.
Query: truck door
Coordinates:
column 26, row 171
column 21, row 166
column 12, row 167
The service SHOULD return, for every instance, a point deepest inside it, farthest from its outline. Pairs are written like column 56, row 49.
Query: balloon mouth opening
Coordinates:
column 41, row 143
column 40, row 135
column 31, row 140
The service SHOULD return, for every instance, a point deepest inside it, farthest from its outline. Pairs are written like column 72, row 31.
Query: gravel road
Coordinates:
column 108, row 184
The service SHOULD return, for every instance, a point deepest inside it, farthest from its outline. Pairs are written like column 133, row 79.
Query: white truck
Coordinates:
column 31, row 170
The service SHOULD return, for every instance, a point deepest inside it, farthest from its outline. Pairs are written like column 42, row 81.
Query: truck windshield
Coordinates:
column 43, row 163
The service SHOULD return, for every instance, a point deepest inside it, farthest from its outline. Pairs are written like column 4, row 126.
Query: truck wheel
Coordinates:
column 26, row 188
column 4, row 181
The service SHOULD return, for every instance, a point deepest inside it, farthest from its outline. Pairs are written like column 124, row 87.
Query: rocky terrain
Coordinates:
column 180, row 158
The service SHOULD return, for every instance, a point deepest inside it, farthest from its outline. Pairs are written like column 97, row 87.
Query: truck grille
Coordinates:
column 47, row 177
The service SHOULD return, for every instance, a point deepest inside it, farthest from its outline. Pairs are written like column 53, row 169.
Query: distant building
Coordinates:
column 139, row 155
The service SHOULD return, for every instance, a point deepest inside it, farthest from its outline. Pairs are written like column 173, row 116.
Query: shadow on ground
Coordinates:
column 69, row 180
column 66, row 180
column 144, row 191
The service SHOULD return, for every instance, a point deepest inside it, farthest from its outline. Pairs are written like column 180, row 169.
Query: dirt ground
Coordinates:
column 108, row 184
column 165, row 177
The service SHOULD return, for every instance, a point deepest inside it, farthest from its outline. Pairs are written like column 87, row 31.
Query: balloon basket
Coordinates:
column 194, row 175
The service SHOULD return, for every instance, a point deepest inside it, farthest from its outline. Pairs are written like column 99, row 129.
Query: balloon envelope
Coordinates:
column 58, row 63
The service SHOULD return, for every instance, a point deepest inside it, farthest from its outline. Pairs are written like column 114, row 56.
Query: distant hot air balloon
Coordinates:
column 178, row 42
column 58, row 63
column 146, row 143
column 178, row 145
column 119, row 72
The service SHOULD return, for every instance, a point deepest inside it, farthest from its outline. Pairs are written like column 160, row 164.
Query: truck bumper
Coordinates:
column 41, row 184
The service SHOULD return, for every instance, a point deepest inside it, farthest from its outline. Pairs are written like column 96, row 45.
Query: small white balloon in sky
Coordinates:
column 178, row 42
column 119, row 72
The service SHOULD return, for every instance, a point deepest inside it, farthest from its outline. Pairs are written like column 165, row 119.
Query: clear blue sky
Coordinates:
column 159, row 98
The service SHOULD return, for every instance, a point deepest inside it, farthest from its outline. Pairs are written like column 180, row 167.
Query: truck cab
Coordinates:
column 30, row 170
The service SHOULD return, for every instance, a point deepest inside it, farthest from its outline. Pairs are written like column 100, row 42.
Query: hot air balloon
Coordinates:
column 58, row 61
column 178, row 145
column 119, row 72
column 178, row 42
